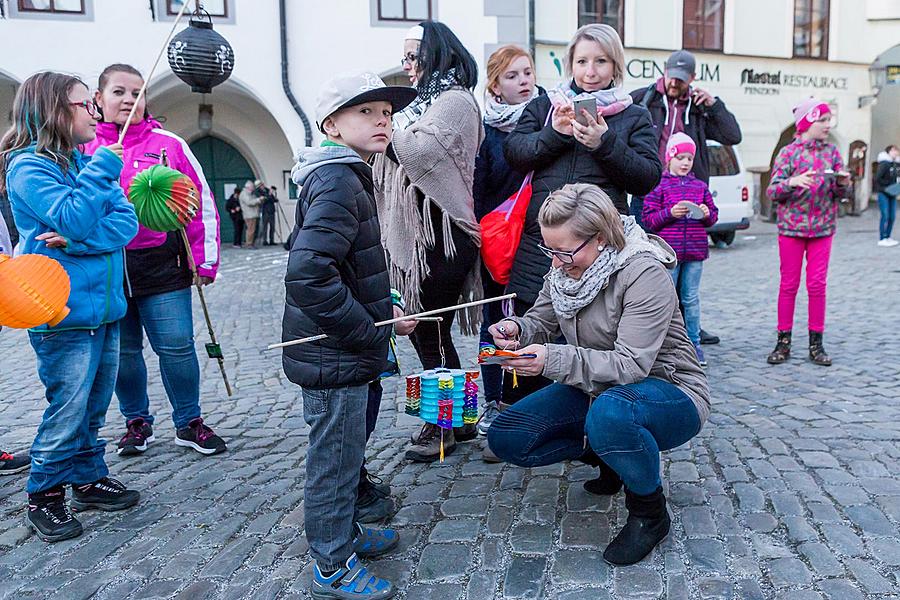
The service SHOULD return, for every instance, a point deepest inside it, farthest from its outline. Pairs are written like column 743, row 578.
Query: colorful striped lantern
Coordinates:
column 164, row 199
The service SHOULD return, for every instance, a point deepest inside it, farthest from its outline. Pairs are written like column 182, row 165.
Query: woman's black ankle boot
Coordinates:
column 607, row 484
column 648, row 524
column 782, row 350
column 817, row 352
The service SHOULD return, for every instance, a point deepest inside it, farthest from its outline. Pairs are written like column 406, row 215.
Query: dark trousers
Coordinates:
column 237, row 222
column 526, row 385
column 440, row 289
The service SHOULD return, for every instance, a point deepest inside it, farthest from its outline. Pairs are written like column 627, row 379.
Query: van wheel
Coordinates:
column 726, row 236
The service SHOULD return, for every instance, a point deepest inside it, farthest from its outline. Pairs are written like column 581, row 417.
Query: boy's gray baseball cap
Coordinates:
column 345, row 91
column 681, row 65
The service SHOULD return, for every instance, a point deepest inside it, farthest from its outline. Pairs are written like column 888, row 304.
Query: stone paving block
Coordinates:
column 842, row 539
column 748, row 589
column 788, row 572
column 417, row 514
column 750, row 497
column 577, row 499
column 869, row 519
column 686, row 494
column 499, row 521
column 230, row 558
column 869, row 578
column 715, row 588
column 683, row 471
column 698, row 522
column 443, row 561
column 439, row 591
column 706, row 554
column 886, row 549
column 589, row 530
column 482, row 585
column 542, row 492
column 584, row 594
column 531, row 538
column 840, row 589
column 579, row 567
column 455, row 530
column 525, row 578
column 459, row 507
column 638, row 582
column 158, row 589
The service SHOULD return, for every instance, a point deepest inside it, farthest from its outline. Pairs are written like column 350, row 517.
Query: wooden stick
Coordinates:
column 417, row 316
column 152, row 71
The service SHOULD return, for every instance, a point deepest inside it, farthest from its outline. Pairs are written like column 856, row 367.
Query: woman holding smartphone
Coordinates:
column 612, row 146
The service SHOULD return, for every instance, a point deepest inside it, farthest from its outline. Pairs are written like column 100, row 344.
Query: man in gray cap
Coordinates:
column 675, row 107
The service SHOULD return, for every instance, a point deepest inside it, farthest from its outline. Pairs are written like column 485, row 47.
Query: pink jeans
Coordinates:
column 791, row 251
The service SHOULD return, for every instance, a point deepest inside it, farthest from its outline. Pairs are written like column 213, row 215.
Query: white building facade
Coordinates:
column 760, row 56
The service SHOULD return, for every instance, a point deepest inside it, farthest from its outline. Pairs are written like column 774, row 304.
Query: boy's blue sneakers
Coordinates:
column 352, row 582
column 369, row 543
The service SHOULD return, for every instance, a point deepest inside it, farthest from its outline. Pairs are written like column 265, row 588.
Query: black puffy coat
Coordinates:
column 158, row 270
column 337, row 282
column 626, row 162
column 494, row 180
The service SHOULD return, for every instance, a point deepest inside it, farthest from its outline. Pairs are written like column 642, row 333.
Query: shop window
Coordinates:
column 215, row 8
column 610, row 12
column 75, row 7
column 703, row 25
column 811, row 28
column 404, row 10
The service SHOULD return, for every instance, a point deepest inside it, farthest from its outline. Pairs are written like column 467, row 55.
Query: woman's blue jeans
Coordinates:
column 888, row 207
column 78, row 370
column 627, row 426
column 170, row 329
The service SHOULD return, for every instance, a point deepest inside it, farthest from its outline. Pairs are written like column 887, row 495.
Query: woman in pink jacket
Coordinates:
column 157, row 277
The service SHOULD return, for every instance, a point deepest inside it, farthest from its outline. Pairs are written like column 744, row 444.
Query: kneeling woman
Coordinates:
column 627, row 381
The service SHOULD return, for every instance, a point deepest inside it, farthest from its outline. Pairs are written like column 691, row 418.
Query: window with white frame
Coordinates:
column 404, row 10
column 215, row 8
column 610, row 12
column 73, row 7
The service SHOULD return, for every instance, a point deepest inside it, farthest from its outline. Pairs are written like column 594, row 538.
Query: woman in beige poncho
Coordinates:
column 424, row 194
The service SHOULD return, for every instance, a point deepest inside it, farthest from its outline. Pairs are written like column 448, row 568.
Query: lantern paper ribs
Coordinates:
column 444, row 397
column 34, row 290
column 164, row 199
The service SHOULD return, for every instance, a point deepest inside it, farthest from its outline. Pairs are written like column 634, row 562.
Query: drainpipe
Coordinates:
column 285, row 78
column 531, row 12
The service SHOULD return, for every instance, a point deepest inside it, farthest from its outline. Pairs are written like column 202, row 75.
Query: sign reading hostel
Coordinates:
column 771, row 83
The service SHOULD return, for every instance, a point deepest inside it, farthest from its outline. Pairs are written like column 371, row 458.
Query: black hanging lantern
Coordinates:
column 199, row 56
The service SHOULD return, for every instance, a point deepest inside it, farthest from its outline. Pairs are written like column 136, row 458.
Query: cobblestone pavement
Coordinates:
column 791, row 491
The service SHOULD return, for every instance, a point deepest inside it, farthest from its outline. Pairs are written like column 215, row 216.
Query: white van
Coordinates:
column 731, row 188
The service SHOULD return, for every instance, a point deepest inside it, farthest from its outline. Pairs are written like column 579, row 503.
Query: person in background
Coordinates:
column 250, row 210
column 510, row 86
column 233, row 206
column 677, row 107
column 266, row 233
column 808, row 180
column 887, row 175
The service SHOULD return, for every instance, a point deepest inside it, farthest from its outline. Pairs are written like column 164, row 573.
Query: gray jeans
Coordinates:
column 337, row 443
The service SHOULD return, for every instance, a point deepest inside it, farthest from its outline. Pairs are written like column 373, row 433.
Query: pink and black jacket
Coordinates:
column 687, row 236
column 157, row 262
column 808, row 213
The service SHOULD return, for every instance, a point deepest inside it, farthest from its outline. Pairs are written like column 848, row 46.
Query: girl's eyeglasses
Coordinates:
column 410, row 58
column 567, row 257
column 87, row 105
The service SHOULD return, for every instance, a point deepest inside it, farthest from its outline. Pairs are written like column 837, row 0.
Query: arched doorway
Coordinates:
column 225, row 169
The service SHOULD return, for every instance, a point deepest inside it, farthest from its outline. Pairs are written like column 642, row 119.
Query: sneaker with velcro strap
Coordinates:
column 370, row 543
column 353, row 581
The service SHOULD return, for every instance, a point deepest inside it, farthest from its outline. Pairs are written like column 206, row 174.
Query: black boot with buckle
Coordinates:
column 782, row 350
column 817, row 352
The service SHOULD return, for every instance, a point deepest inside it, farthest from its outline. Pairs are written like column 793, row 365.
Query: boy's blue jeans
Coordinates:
column 337, row 443
column 170, row 329
column 887, row 205
column 627, row 426
column 78, row 370
column 686, row 276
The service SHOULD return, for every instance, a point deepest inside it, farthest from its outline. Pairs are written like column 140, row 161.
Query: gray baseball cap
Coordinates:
column 681, row 65
column 345, row 91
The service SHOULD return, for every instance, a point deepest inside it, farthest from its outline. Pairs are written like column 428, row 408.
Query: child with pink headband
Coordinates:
column 679, row 210
column 808, row 180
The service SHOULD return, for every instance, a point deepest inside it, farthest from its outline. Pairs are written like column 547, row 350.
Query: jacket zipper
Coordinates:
column 127, row 278
column 108, row 286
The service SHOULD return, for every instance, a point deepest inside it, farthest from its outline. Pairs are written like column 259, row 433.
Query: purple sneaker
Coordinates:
column 138, row 435
column 200, row 437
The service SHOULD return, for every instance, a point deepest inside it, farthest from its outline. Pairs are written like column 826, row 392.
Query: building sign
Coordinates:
column 893, row 74
column 646, row 68
column 771, row 83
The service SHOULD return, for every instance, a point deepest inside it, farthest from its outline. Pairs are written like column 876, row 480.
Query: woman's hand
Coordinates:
column 203, row 280
column 528, row 366
column 53, row 240
column 116, row 149
column 563, row 117
column 804, row 181
column 590, row 135
column 403, row 327
column 504, row 333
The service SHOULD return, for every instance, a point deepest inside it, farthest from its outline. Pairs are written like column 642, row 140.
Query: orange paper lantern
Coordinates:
column 34, row 290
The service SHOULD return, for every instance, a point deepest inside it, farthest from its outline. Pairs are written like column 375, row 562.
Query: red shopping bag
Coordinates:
column 501, row 231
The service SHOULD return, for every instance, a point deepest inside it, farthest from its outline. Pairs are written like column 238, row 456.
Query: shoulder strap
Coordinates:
column 648, row 93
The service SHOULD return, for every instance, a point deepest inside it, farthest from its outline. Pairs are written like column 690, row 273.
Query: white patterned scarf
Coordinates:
column 571, row 295
column 412, row 113
column 503, row 116
column 610, row 101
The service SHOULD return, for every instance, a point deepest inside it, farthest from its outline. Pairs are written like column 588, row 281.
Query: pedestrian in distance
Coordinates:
column 70, row 207
column 266, row 214
column 158, row 277
column 626, row 377
column 233, row 206
column 424, row 192
column 679, row 210
column 337, row 283
column 250, row 210
column 887, row 180
column 808, row 180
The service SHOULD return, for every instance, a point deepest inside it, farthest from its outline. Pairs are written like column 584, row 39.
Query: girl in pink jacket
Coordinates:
column 157, row 277
column 808, row 180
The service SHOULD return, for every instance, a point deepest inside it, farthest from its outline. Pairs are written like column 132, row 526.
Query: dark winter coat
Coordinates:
column 626, row 162
column 337, row 282
column 495, row 180
column 888, row 173
column 702, row 123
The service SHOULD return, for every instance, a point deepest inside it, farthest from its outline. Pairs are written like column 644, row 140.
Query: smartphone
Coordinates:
column 588, row 104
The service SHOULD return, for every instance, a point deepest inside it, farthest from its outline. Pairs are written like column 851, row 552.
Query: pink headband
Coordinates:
column 811, row 116
column 682, row 148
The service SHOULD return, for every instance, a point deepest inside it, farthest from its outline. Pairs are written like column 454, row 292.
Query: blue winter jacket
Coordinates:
column 86, row 205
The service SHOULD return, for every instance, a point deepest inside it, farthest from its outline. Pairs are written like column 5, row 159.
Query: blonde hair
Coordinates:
column 586, row 210
column 499, row 62
column 609, row 41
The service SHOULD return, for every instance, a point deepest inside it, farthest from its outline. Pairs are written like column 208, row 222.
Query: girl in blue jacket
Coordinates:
column 71, row 208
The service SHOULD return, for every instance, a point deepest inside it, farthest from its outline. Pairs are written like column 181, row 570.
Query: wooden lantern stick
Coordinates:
column 209, row 327
column 149, row 76
column 418, row 316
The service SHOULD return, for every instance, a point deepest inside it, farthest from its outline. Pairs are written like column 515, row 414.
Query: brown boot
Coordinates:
column 427, row 448
column 817, row 352
column 782, row 350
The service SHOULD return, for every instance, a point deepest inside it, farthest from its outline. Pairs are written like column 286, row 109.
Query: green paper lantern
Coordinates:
column 164, row 199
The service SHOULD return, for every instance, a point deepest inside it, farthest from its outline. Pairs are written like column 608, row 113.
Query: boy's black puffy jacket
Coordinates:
column 337, row 282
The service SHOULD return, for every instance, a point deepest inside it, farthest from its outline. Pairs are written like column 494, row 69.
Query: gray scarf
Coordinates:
column 571, row 295
column 310, row 159
column 503, row 116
